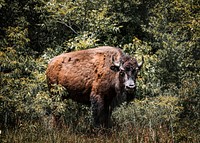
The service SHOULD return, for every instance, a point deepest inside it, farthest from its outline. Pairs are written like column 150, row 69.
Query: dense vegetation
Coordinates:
column 166, row 33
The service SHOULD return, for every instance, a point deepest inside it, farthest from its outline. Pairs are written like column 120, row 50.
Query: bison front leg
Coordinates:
column 99, row 114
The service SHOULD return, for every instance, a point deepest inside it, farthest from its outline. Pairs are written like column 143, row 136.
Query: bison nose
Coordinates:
column 130, row 86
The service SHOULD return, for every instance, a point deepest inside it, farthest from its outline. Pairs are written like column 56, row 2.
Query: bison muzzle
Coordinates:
column 96, row 77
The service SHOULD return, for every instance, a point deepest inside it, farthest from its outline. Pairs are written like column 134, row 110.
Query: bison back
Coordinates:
column 82, row 71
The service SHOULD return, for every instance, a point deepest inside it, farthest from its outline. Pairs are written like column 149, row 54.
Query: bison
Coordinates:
column 95, row 77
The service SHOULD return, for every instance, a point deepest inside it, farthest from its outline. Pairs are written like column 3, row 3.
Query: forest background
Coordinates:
column 165, row 32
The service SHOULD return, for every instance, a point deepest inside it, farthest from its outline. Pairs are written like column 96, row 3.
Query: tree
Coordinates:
column 174, row 29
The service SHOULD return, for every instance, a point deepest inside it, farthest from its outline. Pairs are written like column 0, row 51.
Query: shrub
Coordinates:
column 156, row 115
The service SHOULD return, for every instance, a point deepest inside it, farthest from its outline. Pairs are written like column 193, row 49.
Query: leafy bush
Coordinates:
column 152, row 114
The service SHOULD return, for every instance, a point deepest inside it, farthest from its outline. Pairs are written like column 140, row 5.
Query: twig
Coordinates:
column 68, row 26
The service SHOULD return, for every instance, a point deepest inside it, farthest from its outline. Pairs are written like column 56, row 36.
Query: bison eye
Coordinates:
column 121, row 73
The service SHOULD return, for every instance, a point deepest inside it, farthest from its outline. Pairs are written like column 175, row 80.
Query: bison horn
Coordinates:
column 141, row 63
column 117, row 64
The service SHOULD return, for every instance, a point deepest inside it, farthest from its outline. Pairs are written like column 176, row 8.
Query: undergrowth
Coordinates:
column 147, row 120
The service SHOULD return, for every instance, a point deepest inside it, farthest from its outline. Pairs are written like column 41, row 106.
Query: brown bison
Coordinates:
column 96, row 77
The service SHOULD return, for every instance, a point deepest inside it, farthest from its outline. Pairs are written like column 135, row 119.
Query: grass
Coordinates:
column 143, row 121
column 38, row 134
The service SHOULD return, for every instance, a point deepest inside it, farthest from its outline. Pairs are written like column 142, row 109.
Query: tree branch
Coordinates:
column 68, row 26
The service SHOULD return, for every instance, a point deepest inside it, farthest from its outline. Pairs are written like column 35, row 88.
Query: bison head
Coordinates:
column 128, row 69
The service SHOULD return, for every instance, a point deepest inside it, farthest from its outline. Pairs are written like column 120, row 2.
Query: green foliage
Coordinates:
column 81, row 42
column 165, row 33
column 151, row 113
column 174, row 29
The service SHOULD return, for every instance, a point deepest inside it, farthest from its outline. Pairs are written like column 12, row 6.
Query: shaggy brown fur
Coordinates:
column 91, row 77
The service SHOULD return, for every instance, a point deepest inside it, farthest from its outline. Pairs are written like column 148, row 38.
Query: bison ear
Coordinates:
column 114, row 68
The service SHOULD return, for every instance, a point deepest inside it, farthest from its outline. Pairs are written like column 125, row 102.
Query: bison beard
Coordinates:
column 99, row 77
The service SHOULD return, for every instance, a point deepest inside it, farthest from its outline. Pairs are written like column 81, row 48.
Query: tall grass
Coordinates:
column 143, row 121
column 38, row 134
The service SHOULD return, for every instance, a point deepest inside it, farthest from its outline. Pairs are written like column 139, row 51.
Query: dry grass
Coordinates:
column 145, row 121
column 38, row 134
